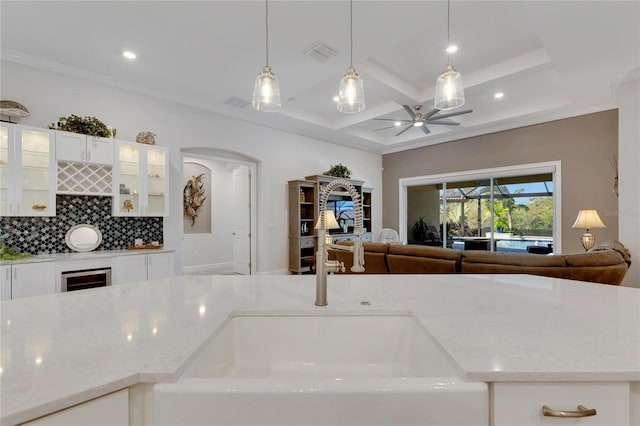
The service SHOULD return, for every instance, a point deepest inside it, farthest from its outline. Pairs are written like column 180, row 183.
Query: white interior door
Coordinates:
column 242, row 220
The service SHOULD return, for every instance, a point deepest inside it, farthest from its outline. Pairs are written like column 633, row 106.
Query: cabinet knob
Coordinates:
column 582, row 411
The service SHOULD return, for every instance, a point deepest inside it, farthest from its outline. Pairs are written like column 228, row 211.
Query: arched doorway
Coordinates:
column 221, row 238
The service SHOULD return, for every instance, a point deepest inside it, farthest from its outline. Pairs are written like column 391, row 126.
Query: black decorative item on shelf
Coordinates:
column 42, row 235
column 84, row 125
column 338, row 170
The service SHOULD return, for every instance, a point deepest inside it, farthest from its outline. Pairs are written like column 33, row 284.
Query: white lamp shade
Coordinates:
column 588, row 219
column 449, row 90
column 330, row 221
column 351, row 92
column 266, row 92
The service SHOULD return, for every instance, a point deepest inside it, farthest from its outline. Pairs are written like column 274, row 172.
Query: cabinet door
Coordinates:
column 100, row 150
column 160, row 266
column 33, row 279
column 5, row 282
column 128, row 179
column 156, row 187
column 129, row 269
column 71, row 146
column 7, row 178
column 35, row 159
column 111, row 410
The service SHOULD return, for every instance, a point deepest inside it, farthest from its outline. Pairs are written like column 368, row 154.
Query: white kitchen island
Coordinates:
column 521, row 334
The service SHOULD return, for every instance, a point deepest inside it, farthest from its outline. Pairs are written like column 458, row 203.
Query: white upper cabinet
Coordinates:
column 83, row 148
column 27, row 171
column 140, row 180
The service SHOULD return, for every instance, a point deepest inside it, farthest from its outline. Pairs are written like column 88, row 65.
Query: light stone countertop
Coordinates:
column 96, row 254
column 62, row 349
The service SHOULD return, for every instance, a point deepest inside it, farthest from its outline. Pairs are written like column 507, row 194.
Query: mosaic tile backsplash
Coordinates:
column 43, row 235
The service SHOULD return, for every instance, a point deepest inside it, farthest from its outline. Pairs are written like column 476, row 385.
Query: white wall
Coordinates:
column 628, row 172
column 281, row 156
column 215, row 249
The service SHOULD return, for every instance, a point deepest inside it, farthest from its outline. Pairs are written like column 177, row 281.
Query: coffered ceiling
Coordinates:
column 551, row 59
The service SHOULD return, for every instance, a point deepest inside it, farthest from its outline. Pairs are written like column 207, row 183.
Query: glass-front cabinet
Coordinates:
column 27, row 171
column 140, row 180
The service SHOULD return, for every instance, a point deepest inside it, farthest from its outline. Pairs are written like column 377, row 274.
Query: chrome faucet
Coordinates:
column 323, row 264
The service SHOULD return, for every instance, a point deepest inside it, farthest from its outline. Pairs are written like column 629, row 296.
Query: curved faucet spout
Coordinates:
column 323, row 265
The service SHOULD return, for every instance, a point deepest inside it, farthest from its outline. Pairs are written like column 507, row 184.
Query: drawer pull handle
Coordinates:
column 581, row 412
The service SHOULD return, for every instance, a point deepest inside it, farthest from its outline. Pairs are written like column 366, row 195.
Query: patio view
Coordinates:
column 509, row 214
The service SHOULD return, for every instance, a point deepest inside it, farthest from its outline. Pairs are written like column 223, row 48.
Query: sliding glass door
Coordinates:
column 510, row 210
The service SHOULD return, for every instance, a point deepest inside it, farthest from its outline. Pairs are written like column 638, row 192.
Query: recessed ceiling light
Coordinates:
column 336, row 99
column 129, row 54
column 452, row 48
column 498, row 95
column 398, row 123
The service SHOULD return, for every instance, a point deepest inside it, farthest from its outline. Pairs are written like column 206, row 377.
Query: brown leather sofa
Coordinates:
column 607, row 263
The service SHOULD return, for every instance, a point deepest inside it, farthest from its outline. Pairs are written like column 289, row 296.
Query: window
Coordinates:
column 513, row 209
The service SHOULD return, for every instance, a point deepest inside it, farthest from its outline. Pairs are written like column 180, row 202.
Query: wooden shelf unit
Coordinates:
column 304, row 199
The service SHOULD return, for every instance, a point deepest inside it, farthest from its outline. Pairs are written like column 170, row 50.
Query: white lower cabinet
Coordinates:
column 516, row 404
column 130, row 269
column 31, row 279
column 108, row 410
column 160, row 266
column 5, row 282
column 143, row 267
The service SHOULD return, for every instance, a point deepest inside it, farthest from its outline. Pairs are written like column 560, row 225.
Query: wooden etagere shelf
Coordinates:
column 304, row 198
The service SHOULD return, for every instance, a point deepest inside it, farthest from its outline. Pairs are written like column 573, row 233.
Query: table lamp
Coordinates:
column 588, row 219
column 330, row 222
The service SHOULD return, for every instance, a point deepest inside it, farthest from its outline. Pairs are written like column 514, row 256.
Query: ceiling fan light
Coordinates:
column 351, row 92
column 266, row 92
column 449, row 90
column 418, row 123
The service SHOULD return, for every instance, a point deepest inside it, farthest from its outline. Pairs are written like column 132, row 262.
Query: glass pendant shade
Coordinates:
column 266, row 92
column 449, row 90
column 351, row 92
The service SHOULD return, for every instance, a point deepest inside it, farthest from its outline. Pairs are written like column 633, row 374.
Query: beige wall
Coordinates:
column 584, row 145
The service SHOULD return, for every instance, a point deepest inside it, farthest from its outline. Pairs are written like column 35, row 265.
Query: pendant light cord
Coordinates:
column 448, row 29
column 266, row 26
column 351, row 31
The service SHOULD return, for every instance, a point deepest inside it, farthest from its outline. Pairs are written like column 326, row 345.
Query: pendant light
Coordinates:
column 449, row 90
column 266, row 92
column 351, row 89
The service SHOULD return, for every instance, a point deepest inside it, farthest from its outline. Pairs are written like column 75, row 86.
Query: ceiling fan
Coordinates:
column 418, row 119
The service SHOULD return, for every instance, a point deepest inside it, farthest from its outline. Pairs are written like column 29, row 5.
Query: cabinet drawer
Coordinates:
column 307, row 242
column 521, row 403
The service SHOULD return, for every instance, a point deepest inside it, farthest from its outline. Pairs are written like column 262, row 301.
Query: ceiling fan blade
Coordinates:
column 431, row 113
column 384, row 128
column 444, row 122
column 393, row 119
column 404, row 130
column 425, row 129
column 452, row 114
column 409, row 110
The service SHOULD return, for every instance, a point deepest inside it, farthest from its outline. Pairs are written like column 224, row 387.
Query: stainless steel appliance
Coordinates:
column 88, row 278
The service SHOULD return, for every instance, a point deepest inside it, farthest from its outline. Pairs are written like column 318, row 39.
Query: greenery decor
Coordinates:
column 338, row 170
column 420, row 229
column 83, row 125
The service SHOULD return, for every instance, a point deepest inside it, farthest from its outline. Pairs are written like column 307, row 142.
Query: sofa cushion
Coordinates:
column 425, row 251
column 400, row 264
column 594, row 258
column 515, row 259
column 610, row 274
column 614, row 245
column 375, row 261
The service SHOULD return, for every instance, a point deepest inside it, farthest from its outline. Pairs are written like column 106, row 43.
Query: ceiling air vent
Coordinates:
column 320, row 51
column 237, row 102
